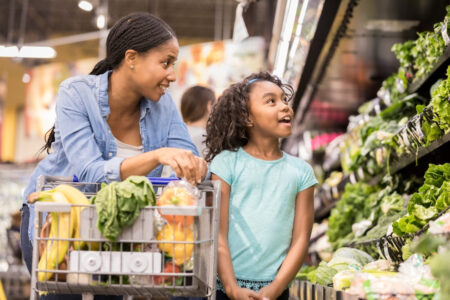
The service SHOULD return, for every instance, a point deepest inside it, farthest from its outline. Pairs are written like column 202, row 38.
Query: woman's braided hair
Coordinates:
column 228, row 122
column 138, row 31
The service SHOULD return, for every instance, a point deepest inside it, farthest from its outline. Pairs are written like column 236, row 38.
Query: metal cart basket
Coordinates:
column 154, row 257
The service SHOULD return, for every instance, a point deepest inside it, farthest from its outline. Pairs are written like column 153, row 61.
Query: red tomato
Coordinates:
column 169, row 267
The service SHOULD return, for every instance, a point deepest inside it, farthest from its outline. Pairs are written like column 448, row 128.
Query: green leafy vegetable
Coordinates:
column 431, row 198
column 118, row 204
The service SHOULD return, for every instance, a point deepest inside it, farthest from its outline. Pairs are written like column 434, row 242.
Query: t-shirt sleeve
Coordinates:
column 307, row 178
column 221, row 167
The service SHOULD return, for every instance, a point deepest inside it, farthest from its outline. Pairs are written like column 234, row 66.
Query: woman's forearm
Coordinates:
column 141, row 164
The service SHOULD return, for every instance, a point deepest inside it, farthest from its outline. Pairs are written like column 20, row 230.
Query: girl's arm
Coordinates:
column 224, row 264
column 303, row 221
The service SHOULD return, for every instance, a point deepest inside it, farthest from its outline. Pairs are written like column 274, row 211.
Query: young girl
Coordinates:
column 267, row 210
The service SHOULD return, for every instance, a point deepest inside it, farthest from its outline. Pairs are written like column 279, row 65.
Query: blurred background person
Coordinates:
column 195, row 106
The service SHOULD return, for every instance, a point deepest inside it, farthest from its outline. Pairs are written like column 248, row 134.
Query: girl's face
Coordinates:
column 269, row 112
column 153, row 71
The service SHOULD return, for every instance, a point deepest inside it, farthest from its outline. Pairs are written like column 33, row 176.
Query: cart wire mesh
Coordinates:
column 153, row 257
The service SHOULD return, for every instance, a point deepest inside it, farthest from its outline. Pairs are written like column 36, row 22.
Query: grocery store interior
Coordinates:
column 371, row 104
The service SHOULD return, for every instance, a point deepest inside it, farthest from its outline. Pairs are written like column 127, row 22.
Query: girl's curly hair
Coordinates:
column 227, row 124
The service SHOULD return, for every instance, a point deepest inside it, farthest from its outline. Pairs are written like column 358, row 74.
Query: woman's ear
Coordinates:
column 130, row 58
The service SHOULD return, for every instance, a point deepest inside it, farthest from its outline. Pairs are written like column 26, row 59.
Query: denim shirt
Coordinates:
column 84, row 145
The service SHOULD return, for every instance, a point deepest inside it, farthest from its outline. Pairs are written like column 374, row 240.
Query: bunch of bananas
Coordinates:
column 64, row 226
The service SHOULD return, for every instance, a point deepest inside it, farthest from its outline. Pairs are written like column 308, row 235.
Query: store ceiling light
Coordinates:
column 27, row 52
column 286, row 33
column 85, row 5
column 101, row 21
column 11, row 51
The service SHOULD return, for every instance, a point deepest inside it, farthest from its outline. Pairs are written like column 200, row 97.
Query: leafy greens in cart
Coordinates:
column 118, row 204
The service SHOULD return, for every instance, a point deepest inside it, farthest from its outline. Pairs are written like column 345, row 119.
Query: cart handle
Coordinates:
column 162, row 180
column 153, row 180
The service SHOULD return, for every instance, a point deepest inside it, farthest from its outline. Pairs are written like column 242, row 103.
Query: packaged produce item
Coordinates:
column 382, row 285
column 343, row 279
column 439, row 265
column 179, row 202
column 379, row 265
column 171, row 234
column 441, row 224
column 169, row 267
column 413, row 281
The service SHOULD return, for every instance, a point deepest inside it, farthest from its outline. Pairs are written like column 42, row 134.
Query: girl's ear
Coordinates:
column 250, row 123
column 130, row 58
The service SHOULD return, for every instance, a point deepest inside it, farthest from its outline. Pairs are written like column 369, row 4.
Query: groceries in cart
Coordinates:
column 119, row 204
column 125, row 236
column 179, row 202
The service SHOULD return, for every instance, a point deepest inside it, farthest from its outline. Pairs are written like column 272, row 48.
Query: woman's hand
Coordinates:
column 244, row 294
column 184, row 163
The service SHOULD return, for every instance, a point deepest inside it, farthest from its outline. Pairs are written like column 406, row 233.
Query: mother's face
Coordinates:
column 154, row 70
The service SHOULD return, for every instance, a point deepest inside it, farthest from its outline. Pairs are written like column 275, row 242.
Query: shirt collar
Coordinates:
column 103, row 93
column 145, row 107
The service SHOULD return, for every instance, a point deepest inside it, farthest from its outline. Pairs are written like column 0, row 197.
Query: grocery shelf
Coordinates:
column 398, row 165
column 406, row 160
column 423, row 85
column 304, row 290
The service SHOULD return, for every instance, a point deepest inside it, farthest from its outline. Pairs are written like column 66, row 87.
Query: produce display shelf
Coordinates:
column 322, row 212
column 304, row 290
column 406, row 160
column 438, row 70
column 327, row 202
column 399, row 164
column 390, row 246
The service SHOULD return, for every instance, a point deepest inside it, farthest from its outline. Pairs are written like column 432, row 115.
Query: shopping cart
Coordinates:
column 135, row 264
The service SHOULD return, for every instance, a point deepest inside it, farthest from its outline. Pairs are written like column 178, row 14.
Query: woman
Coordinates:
column 119, row 121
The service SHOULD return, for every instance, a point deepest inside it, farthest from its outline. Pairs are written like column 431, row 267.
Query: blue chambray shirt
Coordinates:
column 84, row 145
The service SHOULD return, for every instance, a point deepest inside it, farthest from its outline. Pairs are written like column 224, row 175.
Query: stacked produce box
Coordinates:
column 387, row 235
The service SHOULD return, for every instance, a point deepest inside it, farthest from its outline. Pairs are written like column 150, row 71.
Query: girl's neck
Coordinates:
column 121, row 99
column 267, row 149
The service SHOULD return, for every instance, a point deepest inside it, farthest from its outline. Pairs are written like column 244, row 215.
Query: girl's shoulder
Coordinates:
column 225, row 155
column 297, row 161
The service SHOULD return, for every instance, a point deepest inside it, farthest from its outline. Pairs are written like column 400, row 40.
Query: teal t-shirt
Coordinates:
column 261, row 209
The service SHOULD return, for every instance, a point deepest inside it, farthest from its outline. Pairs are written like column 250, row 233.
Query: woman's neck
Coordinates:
column 121, row 99
column 267, row 149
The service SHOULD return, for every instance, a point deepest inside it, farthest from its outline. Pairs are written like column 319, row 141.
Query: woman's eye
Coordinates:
column 168, row 63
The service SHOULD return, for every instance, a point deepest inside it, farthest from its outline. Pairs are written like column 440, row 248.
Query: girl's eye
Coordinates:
column 271, row 101
column 285, row 100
